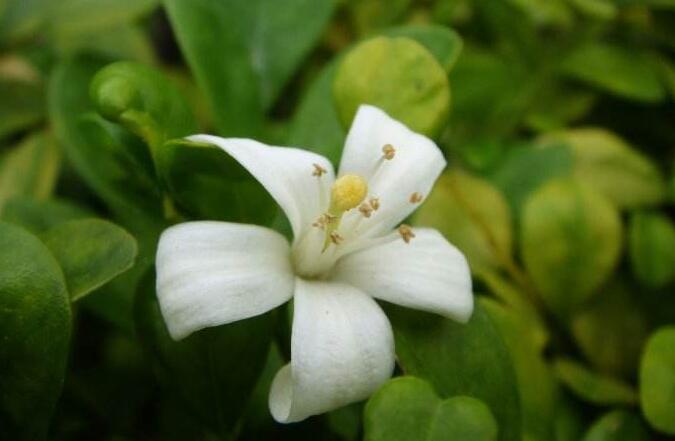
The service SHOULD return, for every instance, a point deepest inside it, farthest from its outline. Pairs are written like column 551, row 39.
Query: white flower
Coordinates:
column 346, row 251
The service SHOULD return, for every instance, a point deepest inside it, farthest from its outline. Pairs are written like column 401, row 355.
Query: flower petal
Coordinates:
column 428, row 274
column 212, row 273
column 286, row 173
column 415, row 166
column 342, row 349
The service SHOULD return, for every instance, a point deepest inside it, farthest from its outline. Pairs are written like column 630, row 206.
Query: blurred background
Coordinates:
column 558, row 123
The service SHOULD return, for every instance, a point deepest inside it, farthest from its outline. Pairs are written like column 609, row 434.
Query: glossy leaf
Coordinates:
column 582, row 233
column 35, row 333
column 212, row 372
column 30, row 169
column 472, row 215
column 617, row 425
column 651, row 238
column 633, row 75
column 217, row 40
column 37, row 216
column 610, row 165
column 398, row 75
column 207, row 183
column 408, row 409
column 593, row 387
column 90, row 252
column 460, row 359
column 657, row 380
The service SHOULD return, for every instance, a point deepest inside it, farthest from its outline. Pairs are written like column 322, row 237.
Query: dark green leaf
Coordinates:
column 443, row 43
column 212, row 372
column 90, row 252
column 460, row 359
column 37, row 216
column 35, row 334
column 408, row 409
column 242, row 71
column 657, row 380
column 22, row 106
column 207, row 183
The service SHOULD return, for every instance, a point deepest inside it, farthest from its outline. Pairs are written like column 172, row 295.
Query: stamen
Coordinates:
column 406, row 232
column 318, row 170
column 365, row 209
column 374, row 203
column 415, row 198
column 324, row 220
column 335, row 237
column 388, row 152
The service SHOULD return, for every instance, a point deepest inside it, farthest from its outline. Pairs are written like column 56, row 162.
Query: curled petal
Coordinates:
column 342, row 349
column 212, row 273
column 428, row 273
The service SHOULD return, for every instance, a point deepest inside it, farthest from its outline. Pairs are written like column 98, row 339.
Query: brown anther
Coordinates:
column 406, row 232
column 324, row 220
column 335, row 237
column 318, row 170
column 365, row 209
column 388, row 151
column 415, row 198
column 374, row 203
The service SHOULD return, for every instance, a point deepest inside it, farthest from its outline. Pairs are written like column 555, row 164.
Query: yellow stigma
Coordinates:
column 348, row 192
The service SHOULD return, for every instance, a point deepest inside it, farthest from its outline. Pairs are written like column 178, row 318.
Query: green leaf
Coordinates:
column 442, row 42
column 473, row 215
column 80, row 17
column 617, row 70
column 525, row 168
column 90, row 252
column 651, row 238
column 37, row 216
column 600, row 9
column 611, row 329
column 460, row 359
column 213, row 371
column 617, row 425
column 591, row 386
column 22, row 106
column 116, row 167
column 536, row 385
column 398, row 75
column 30, row 169
column 35, row 334
column 610, row 165
column 144, row 101
column 370, row 15
column 657, row 380
column 582, row 234
column 316, row 125
column 242, row 71
column 207, row 183
column 21, row 18
column 408, row 409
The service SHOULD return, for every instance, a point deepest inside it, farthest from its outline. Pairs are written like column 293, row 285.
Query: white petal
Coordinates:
column 414, row 168
column 212, row 273
column 428, row 274
column 286, row 173
column 342, row 349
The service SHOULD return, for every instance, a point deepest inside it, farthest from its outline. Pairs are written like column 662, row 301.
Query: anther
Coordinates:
column 415, row 198
column 374, row 203
column 365, row 209
column 318, row 170
column 388, row 152
column 406, row 232
column 335, row 237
